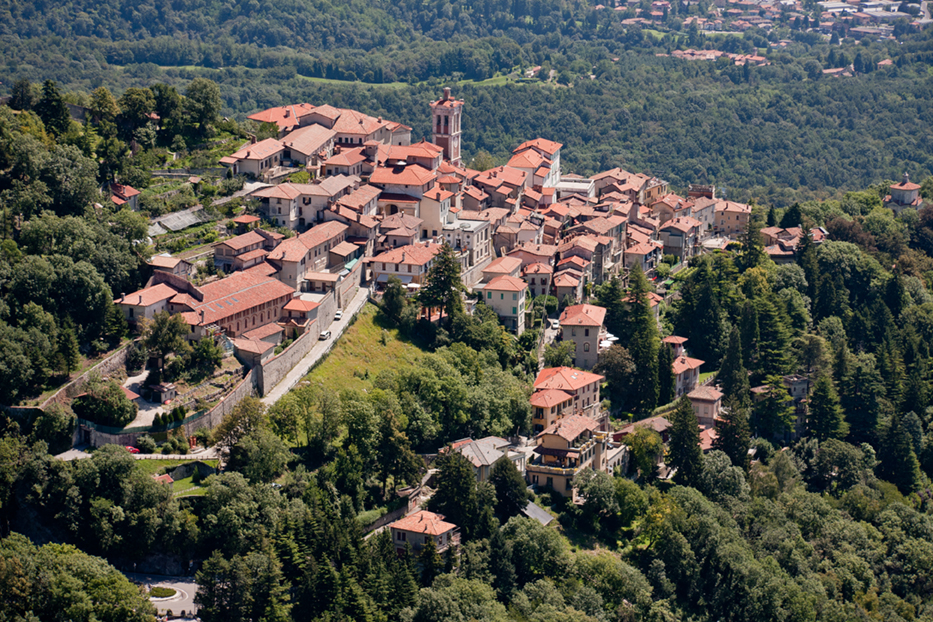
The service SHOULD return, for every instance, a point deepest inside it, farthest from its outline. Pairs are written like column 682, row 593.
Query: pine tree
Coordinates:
column 792, row 217
column 774, row 343
column 501, row 565
column 750, row 334
column 511, row 495
column 456, row 492
column 609, row 296
column 431, row 562
column 443, row 285
column 774, row 414
column 644, row 344
column 68, row 350
column 733, row 436
column 52, row 110
column 732, row 376
column 666, row 381
column 862, row 392
column 806, row 259
column 683, row 452
column 898, row 462
column 824, row 419
column 753, row 249
column 772, row 217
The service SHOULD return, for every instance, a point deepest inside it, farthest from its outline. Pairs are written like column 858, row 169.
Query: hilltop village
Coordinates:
column 378, row 209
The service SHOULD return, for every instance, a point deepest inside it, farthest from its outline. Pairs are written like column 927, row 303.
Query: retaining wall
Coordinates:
column 272, row 371
column 109, row 365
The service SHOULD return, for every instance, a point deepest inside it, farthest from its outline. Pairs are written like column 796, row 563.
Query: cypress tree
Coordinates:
column 774, row 343
column 793, row 217
column 824, row 420
column 644, row 344
column 750, row 334
column 898, row 462
column 683, row 452
column 733, row 377
column 774, row 414
column 443, row 286
column 52, row 110
column 609, row 296
column 431, row 562
column 862, row 391
column 666, row 381
column 733, row 436
column 806, row 259
column 772, row 217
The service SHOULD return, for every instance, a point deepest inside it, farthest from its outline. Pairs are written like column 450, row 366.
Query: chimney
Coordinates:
column 446, row 93
column 288, row 113
column 122, row 296
column 906, row 178
column 252, row 139
column 140, row 299
column 202, row 316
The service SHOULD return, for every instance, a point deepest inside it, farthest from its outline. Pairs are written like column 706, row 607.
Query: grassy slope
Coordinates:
column 359, row 350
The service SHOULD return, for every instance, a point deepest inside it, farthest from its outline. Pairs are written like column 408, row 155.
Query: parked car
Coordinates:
column 338, row 315
column 132, row 450
column 325, row 335
column 555, row 324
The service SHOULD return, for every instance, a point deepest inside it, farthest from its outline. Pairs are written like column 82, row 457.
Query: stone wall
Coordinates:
column 474, row 275
column 272, row 371
column 106, row 367
column 215, row 415
column 347, row 288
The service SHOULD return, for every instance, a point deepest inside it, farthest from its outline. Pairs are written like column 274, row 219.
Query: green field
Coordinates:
column 360, row 350
column 153, row 466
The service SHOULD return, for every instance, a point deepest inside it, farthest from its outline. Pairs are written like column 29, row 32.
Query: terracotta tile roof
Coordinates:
column 503, row 265
column 246, row 219
column 529, row 159
column 674, row 339
column 309, row 139
column 326, row 187
column 148, row 296
column 685, row 363
column 506, row 283
column 495, row 177
column 617, row 174
column 410, row 175
column 130, row 395
column 682, row 223
column 438, row 194
column 905, row 185
column 421, row 149
column 659, row 424
column 570, row 428
column 565, row 379
column 253, row 346
column 547, row 146
column 299, row 304
column 642, row 248
column 424, row 522
column 707, row 437
column 160, row 261
column 295, row 249
column 284, row 116
column 360, row 197
column 254, row 254
column 354, row 122
column 705, row 393
column 565, row 280
column 347, row 157
column 583, row 315
column 584, row 242
column 416, row 254
column 537, row 268
column 549, row 398
column 128, row 192
column 238, row 292
column 260, row 151
column 733, row 207
column 400, row 221
column 264, row 331
column 541, row 250
column 345, row 248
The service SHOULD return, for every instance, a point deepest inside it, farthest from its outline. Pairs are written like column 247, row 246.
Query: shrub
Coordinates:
column 105, row 403
column 146, row 444
column 161, row 592
column 136, row 356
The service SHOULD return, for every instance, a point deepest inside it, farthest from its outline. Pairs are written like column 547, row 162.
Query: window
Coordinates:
column 488, row 295
column 586, row 332
column 409, row 268
column 568, row 484
column 501, row 296
column 573, row 332
column 514, row 296
column 586, row 347
column 514, row 311
column 131, row 311
column 400, row 536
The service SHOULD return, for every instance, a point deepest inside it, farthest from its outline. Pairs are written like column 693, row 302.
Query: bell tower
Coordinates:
column 447, row 112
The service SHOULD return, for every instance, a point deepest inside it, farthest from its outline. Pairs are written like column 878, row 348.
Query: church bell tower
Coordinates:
column 447, row 112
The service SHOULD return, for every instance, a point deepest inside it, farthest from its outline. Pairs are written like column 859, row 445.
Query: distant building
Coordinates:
column 583, row 326
column 563, row 450
column 905, row 194
column 484, row 453
column 415, row 530
column 506, row 296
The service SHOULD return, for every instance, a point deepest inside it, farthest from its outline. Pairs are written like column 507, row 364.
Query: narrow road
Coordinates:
column 185, row 589
column 337, row 329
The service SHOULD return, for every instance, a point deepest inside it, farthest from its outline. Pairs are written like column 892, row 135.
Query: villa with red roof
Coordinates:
column 503, row 266
column 707, row 402
column 549, row 153
column 902, row 195
column 255, row 159
column 549, row 405
column 309, row 145
column 146, row 302
column 582, row 325
column 563, row 449
column 686, row 373
column 506, row 296
column 308, row 252
column 583, row 386
column 415, row 529
column 409, row 263
column 122, row 195
column 297, row 206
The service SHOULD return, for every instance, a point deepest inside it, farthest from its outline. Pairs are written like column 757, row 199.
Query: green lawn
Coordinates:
column 187, row 488
column 153, row 466
column 360, row 350
column 388, row 85
column 706, row 375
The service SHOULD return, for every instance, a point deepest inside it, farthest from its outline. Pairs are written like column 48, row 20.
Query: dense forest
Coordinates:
column 779, row 133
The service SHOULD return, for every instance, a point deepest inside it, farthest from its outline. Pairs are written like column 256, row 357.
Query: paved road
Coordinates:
column 311, row 358
column 182, row 601
column 208, row 454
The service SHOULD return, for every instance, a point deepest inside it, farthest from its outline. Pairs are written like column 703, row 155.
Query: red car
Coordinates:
column 132, row 450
